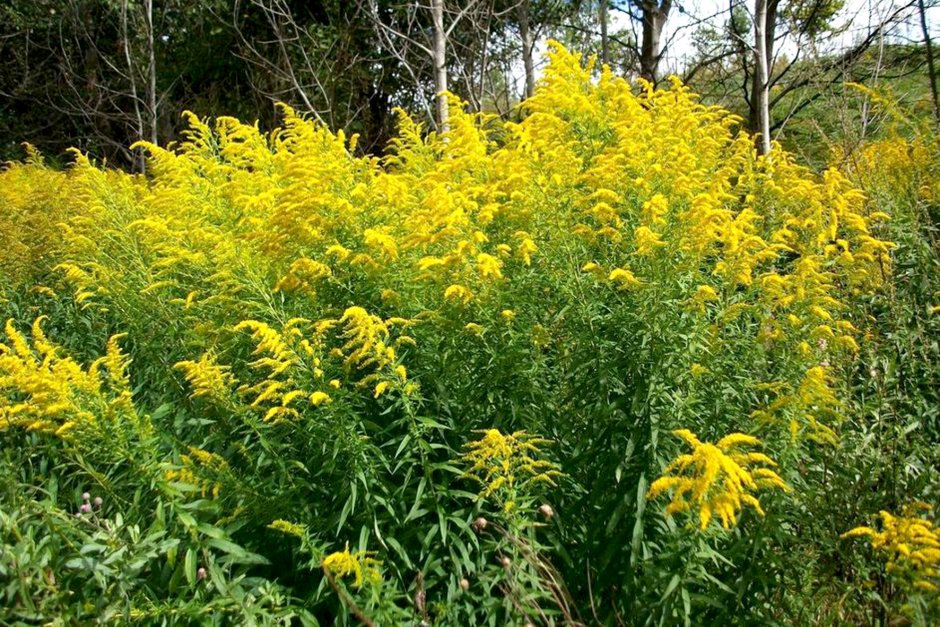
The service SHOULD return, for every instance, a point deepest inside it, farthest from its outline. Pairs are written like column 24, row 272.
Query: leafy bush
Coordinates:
column 442, row 385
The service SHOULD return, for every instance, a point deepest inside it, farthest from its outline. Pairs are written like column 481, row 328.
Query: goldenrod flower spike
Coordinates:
column 201, row 469
column 502, row 463
column 287, row 527
column 909, row 543
column 207, row 378
column 359, row 564
column 42, row 389
column 716, row 479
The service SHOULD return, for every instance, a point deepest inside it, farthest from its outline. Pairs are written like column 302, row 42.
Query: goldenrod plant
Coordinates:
column 440, row 384
column 716, row 480
column 910, row 545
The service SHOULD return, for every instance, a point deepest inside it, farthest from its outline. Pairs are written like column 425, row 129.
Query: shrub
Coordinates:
column 318, row 340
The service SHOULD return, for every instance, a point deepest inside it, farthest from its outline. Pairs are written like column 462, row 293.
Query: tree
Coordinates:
column 100, row 74
column 439, row 56
column 321, row 58
column 931, row 70
column 653, row 16
column 528, row 46
column 764, row 12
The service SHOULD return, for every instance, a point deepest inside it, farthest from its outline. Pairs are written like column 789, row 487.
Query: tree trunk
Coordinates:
column 760, row 92
column 152, row 73
column 528, row 45
column 440, row 64
column 654, row 20
column 605, row 41
column 931, row 69
column 139, row 160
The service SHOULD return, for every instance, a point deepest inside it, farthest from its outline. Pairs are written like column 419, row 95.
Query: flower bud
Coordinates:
column 480, row 524
column 464, row 584
column 97, row 502
column 201, row 573
column 85, row 496
column 546, row 510
column 505, row 562
column 85, row 508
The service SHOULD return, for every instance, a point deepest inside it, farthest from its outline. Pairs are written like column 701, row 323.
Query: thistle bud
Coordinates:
column 505, row 562
column 85, row 496
column 201, row 573
column 97, row 502
column 464, row 584
column 480, row 524
column 85, row 508
column 546, row 510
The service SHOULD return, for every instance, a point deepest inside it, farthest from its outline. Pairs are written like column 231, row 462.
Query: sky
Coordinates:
column 858, row 17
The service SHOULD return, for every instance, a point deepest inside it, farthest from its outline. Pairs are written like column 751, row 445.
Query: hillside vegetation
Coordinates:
column 604, row 365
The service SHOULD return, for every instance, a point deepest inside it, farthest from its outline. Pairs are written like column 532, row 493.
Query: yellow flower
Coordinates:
column 289, row 528
column 42, row 389
column 526, row 247
column 502, row 463
column 909, row 543
column 201, row 469
column 655, row 209
column 206, row 377
column 705, row 293
column 646, row 241
column 458, row 293
column 489, row 266
column 508, row 315
column 360, row 564
column 380, row 388
column 593, row 268
column 382, row 242
column 474, row 329
column 301, row 275
column 319, row 398
column 716, row 479
column 367, row 339
column 623, row 278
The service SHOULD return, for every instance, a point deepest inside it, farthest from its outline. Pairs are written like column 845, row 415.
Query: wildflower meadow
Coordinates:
column 598, row 363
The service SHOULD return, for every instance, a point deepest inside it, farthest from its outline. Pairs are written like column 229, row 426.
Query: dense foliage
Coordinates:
column 602, row 365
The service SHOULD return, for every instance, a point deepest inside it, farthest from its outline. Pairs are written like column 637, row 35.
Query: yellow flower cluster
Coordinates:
column 206, row 377
column 201, row 469
column 505, row 463
column 42, row 389
column 716, row 479
column 813, row 400
column 287, row 527
column 360, row 564
column 33, row 201
column 291, row 362
column 635, row 199
column 910, row 543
